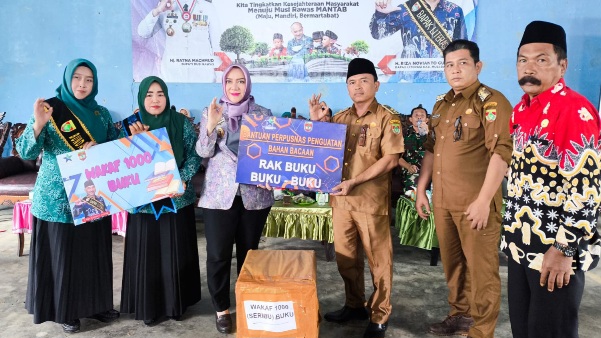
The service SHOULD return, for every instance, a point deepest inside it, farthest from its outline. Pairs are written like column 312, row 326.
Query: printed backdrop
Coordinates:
column 296, row 41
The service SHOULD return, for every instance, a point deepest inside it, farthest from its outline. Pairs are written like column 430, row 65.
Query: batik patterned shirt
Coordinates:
column 300, row 47
column 554, row 191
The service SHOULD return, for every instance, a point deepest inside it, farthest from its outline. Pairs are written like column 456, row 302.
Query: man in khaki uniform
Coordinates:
column 467, row 153
column 361, row 201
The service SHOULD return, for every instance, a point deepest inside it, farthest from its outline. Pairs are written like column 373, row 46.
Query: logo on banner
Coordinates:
column 269, row 124
column 308, row 126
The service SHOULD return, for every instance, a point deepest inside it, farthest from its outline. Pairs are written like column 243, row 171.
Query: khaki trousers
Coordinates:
column 356, row 233
column 470, row 259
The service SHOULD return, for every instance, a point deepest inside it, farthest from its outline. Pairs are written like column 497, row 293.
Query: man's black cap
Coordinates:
column 361, row 66
column 545, row 32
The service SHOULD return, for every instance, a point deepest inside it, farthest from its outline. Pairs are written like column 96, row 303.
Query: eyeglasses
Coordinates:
column 458, row 130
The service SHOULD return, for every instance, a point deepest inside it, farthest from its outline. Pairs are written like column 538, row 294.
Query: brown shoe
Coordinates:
column 452, row 325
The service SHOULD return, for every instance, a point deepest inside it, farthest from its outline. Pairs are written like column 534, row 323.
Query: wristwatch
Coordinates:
column 566, row 250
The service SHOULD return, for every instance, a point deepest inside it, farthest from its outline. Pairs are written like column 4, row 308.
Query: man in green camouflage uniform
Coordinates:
column 415, row 136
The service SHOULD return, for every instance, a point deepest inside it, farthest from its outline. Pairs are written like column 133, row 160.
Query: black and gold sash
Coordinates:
column 71, row 130
column 94, row 203
column 428, row 24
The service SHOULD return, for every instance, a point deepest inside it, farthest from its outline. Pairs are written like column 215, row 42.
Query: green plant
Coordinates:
column 236, row 39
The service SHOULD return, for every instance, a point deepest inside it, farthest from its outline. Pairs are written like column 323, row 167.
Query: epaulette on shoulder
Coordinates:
column 440, row 97
column 390, row 109
column 484, row 93
column 343, row 110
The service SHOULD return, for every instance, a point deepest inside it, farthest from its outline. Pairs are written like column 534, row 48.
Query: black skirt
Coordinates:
column 161, row 274
column 70, row 270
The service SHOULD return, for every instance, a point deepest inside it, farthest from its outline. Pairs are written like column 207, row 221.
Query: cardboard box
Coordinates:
column 276, row 295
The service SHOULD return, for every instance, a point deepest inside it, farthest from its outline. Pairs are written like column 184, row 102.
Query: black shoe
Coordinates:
column 176, row 318
column 347, row 313
column 71, row 326
column 375, row 330
column 106, row 316
column 150, row 322
column 223, row 323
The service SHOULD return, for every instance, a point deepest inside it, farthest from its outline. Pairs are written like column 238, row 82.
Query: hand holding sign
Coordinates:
column 137, row 128
column 88, row 145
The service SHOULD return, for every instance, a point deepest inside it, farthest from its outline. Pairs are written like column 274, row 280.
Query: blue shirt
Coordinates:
column 87, row 210
column 415, row 43
column 305, row 44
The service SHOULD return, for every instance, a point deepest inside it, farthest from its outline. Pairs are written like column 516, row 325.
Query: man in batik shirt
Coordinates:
column 549, row 229
column 298, row 47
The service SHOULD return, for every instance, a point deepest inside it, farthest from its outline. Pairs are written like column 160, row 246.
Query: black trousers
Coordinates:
column 535, row 312
column 223, row 228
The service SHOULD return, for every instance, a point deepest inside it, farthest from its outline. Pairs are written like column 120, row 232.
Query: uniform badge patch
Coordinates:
column 308, row 126
column 395, row 126
column 490, row 111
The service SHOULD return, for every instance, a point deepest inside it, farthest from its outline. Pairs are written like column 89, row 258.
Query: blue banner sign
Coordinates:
column 289, row 153
column 119, row 175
